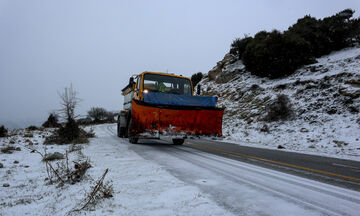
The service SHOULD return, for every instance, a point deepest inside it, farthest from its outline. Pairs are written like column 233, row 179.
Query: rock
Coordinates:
column 16, row 162
column 331, row 111
column 281, row 86
column 310, row 86
column 213, row 73
column 29, row 142
column 340, row 143
column 353, row 109
column 304, row 130
column 12, row 142
column 346, row 92
column 224, row 78
column 265, row 129
column 280, row 147
column 6, row 185
column 18, row 149
column 1, row 165
column 217, row 70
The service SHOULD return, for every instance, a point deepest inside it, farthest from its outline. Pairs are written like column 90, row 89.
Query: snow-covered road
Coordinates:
column 246, row 189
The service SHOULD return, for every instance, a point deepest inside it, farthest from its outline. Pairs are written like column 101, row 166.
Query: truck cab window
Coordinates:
column 138, row 83
column 167, row 84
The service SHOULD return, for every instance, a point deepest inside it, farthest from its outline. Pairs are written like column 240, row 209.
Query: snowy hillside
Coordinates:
column 325, row 98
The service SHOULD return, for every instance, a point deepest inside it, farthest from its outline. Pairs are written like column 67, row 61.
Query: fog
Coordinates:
column 97, row 45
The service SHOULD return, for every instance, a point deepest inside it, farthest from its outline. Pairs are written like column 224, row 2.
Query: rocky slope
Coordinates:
column 324, row 98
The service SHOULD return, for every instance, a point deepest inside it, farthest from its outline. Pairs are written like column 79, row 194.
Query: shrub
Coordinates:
column 70, row 132
column 280, row 109
column 3, row 131
column 32, row 128
column 309, row 28
column 52, row 121
column 238, row 46
column 196, row 78
column 8, row 149
column 275, row 54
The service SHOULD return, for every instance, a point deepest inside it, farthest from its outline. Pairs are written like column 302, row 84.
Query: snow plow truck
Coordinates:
column 163, row 104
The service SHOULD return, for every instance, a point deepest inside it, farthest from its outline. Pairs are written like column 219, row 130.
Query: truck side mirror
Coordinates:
column 198, row 89
column 131, row 81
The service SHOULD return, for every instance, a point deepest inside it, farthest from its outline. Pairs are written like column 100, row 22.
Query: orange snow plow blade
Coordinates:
column 150, row 120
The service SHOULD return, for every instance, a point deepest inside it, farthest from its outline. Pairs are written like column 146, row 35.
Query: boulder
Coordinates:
column 218, row 69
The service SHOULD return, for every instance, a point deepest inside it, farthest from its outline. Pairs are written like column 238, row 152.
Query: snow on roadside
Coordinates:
column 140, row 186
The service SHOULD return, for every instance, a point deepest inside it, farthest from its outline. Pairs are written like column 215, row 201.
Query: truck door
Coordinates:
column 146, row 118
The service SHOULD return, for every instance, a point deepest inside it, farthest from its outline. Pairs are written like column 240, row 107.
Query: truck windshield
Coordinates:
column 167, row 84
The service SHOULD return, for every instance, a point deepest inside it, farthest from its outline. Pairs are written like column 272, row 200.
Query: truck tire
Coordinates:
column 132, row 139
column 178, row 141
column 120, row 130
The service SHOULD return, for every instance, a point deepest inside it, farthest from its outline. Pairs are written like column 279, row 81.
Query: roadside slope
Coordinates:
column 325, row 98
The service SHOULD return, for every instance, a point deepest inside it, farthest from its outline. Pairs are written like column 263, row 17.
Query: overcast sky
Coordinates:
column 97, row 45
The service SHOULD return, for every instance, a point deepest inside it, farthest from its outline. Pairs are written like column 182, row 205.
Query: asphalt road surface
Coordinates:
column 340, row 172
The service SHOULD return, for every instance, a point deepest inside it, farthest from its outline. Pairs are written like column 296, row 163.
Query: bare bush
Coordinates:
column 100, row 191
column 101, row 115
column 280, row 109
column 71, row 132
column 69, row 102
column 98, row 113
column 63, row 173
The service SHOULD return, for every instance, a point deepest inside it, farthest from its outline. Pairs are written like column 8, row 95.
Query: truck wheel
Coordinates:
column 178, row 141
column 122, row 132
column 132, row 139
column 118, row 130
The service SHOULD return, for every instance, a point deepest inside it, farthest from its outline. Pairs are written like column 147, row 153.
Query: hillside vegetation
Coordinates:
column 277, row 54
